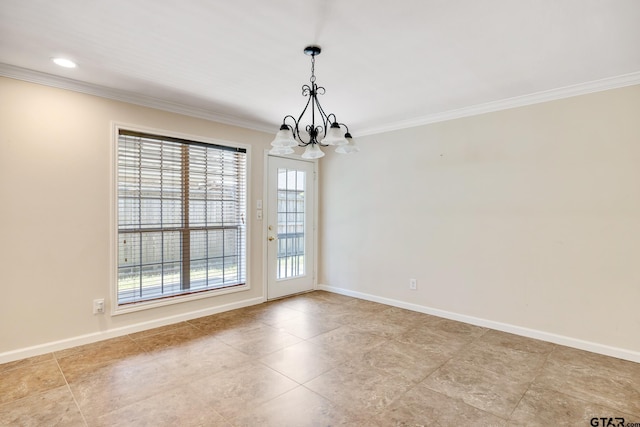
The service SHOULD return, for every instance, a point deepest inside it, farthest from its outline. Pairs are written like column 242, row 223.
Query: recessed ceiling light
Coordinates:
column 63, row 62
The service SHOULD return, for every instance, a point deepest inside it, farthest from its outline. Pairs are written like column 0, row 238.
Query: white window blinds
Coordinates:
column 181, row 217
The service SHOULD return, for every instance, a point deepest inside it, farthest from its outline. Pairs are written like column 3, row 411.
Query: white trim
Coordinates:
column 620, row 353
column 144, row 305
column 45, row 79
column 38, row 77
column 49, row 347
column 316, row 222
column 265, row 223
column 173, row 300
column 110, row 302
column 514, row 102
column 265, row 204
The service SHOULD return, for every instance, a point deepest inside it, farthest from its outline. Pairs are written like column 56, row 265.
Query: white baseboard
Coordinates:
column 606, row 350
column 49, row 347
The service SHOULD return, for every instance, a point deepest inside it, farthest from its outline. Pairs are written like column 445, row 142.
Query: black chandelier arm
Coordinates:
column 313, row 132
column 345, row 126
column 292, row 128
column 335, row 120
column 297, row 133
column 330, row 119
column 313, row 90
column 323, row 116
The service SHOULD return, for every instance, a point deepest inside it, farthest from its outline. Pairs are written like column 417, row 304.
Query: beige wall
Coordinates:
column 55, row 166
column 527, row 218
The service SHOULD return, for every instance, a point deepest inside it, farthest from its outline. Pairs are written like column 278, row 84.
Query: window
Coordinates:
column 291, row 223
column 181, row 217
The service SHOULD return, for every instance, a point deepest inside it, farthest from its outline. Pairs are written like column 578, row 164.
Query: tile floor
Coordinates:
column 318, row 359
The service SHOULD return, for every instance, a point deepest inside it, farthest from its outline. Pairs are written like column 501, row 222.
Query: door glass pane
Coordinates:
column 291, row 218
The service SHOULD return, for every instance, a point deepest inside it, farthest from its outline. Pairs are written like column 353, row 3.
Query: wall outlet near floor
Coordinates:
column 98, row 306
column 413, row 284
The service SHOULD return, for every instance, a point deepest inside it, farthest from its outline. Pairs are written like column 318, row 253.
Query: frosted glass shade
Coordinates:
column 313, row 151
column 350, row 147
column 284, row 138
column 334, row 136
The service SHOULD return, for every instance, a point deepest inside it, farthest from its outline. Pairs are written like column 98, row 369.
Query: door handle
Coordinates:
column 271, row 238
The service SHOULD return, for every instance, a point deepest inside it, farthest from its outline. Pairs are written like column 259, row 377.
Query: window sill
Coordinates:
column 147, row 305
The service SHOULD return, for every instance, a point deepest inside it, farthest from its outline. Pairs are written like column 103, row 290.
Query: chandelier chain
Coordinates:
column 313, row 69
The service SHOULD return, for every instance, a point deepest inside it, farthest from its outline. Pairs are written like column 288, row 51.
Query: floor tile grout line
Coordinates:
column 39, row 392
column 537, row 372
column 470, row 343
column 520, row 400
column 464, row 403
column 558, row 347
column 31, row 364
column 532, row 381
column 151, row 334
column 71, row 391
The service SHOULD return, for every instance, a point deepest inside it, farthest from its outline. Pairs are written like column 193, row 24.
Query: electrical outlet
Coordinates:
column 413, row 284
column 98, row 306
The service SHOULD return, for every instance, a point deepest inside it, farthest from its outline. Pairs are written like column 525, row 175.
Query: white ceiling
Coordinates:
column 385, row 64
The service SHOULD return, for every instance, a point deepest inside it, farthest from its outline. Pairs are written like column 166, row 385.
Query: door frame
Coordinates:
column 265, row 220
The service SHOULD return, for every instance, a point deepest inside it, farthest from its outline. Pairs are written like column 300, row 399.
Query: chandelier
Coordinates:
column 327, row 132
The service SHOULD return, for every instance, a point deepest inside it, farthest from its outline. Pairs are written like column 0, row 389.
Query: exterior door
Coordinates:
column 290, row 226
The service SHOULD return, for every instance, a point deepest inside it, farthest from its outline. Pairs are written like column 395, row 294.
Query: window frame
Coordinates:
column 117, row 309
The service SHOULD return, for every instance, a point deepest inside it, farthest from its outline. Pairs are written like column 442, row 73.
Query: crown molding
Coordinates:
column 505, row 104
column 38, row 77
column 32, row 76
